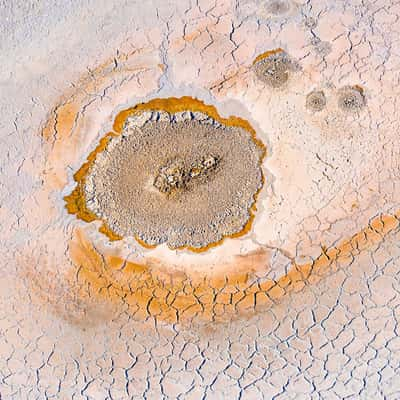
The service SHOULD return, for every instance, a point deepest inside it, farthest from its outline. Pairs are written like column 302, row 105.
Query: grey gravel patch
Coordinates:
column 275, row 70
column 316, row 101
column 310, row 22
column 351, row 99
column 269, row 10
column 124, row 188
column 278, row 7
column 322, row 48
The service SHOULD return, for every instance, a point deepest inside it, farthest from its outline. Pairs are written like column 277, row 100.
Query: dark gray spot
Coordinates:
column 275, row 69
column 351, row 99
column 310, row 22
column 316, row 101
column 278, row 7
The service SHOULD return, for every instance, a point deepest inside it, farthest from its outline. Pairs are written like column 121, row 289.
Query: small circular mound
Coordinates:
column 322, row 48
column 351, row 99
column 310, row 22
column 278, row 7
column 316, row 101
column 275, row 68
column 184, row 179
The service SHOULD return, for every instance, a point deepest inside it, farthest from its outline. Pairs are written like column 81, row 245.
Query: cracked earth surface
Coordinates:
column 306, row 305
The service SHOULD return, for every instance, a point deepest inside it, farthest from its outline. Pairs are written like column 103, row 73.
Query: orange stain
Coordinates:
column 61, row 122
column 76, row 201
column 178, row 297
column 267, row 54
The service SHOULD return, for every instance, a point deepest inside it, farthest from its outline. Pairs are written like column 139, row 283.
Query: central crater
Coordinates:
column 187, row 178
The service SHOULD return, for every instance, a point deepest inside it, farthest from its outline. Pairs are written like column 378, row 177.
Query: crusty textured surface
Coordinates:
column 276, row 69
column 305, row 306
column 120, row 186
column 316, row 101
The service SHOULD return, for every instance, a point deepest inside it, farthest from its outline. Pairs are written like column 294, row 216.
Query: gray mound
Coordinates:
column 351, row 99
column 275, row 69
column 316, row 101
column 181, row 179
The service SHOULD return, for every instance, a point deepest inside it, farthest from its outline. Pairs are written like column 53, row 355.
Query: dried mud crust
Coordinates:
column 183, row 179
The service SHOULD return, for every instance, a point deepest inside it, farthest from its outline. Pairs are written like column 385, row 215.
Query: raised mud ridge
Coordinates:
column 172, row 171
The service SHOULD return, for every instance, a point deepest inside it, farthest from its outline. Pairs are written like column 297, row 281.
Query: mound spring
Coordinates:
column 183, row 179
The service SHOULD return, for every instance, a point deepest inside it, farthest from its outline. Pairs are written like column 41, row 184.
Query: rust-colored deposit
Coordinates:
column 76, row 201
column 153, row 290
column 267, row 54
